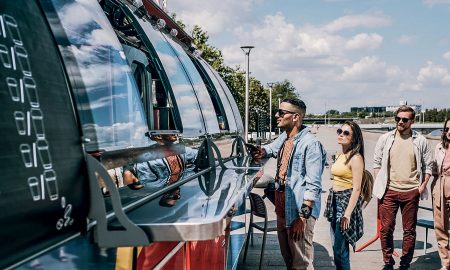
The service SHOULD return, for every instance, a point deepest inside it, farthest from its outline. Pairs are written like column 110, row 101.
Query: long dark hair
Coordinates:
column 445, row 140
column 357, row 144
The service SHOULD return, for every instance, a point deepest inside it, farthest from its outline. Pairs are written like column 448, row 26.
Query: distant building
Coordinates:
column 368, row 109
column 380, row 109
column 417, row 108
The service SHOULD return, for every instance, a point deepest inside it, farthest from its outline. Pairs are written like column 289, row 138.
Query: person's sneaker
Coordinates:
column 388, row 266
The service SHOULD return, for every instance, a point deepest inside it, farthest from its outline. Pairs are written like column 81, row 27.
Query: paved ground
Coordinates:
column 368, row 259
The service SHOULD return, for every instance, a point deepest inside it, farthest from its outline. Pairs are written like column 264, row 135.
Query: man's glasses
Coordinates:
column 346, row 133
column 403, row 119
column 282, row 112
column 446, row 129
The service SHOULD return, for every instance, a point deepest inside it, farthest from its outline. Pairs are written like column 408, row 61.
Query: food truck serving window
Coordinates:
column 107, row 98
column 233, row 104
column 222, row 97
column 185, row 97
column 208, row 112
column 43, row 195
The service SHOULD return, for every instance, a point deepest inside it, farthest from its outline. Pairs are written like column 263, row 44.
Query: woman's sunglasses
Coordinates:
column 339, row 131
column 446, row 130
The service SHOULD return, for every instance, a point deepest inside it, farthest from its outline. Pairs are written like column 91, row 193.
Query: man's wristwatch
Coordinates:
column 305, row 211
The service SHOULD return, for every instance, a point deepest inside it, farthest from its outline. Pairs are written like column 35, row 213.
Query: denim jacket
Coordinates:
column 422, row 151
column 304, row 173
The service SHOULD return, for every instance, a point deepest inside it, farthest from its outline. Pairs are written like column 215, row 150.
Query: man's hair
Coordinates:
column 405, row 108
column 297, row 103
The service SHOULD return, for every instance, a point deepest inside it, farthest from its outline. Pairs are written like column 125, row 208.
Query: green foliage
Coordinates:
column 179, row 22
column 435, row 115
column 333, row 113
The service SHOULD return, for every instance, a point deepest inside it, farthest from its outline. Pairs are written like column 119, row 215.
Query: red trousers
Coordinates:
column 408, row 202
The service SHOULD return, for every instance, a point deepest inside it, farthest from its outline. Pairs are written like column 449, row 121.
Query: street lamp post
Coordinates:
column 246, row 50
column 279, row 104
column 270, row 109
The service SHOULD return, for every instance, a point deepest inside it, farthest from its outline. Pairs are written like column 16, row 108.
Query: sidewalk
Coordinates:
column 368, row 259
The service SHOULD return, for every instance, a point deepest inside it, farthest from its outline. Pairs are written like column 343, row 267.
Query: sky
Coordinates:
column 337, row 53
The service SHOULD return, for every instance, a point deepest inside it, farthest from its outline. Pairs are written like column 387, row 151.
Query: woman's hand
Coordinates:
column 345, row 222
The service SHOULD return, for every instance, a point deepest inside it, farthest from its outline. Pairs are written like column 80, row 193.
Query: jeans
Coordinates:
column 341, row 248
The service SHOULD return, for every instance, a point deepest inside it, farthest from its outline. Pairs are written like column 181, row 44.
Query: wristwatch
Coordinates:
column 305, row 211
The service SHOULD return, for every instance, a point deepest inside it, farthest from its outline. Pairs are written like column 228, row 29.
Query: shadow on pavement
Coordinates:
column 273, row 258
column 428, row 261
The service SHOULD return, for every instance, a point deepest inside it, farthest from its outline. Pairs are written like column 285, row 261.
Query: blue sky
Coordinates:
column 337, row 53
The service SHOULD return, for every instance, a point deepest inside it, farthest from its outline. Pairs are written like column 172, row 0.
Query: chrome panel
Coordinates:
column 202, row 212
column 106, row 96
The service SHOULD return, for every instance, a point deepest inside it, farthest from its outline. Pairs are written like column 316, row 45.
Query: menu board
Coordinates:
column 43, row 190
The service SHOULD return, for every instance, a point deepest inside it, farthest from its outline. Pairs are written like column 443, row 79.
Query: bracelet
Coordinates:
column 305, row 211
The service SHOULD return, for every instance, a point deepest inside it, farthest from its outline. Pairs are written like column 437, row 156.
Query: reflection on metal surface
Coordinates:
column 178, row 79
column 112, row 116
column 196, row 216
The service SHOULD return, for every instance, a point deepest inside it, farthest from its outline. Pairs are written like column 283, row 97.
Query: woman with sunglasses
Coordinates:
column 441, row 194
column 344, row 204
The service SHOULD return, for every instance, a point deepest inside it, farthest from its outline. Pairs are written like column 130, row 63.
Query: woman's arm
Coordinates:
column 357, row 166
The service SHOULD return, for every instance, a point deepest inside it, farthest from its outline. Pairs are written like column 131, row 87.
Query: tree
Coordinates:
column 235, row 79
column 334, row 113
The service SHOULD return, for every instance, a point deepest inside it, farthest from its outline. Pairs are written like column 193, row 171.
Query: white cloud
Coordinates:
column 405, row 39
column 324, row 61
column 434, row 75
column 432, row 3
column 364, row 41
column 367, row 69
column 358, row 20
column 446, row 56
column 214, row 16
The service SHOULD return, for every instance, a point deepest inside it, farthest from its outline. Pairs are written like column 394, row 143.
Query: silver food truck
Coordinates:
column 121, row 148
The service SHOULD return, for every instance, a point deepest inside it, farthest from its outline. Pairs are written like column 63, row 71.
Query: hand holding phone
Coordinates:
column 255, row 150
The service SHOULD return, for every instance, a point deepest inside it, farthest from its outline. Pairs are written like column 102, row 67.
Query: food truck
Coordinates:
column 121, row 147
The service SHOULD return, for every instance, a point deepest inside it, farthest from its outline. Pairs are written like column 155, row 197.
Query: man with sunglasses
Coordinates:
column 300, row 163
column 402, row 167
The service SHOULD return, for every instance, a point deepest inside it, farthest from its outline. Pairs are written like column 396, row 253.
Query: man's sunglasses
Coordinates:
column 346, row 133
column 403, row 119
column 282, row 112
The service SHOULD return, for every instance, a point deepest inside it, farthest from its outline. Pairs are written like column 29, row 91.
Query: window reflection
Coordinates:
column 203, row 96
column 183, row 92
column 110, row 110
column 237, row 115
column 222, row 97
column 157, row 173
